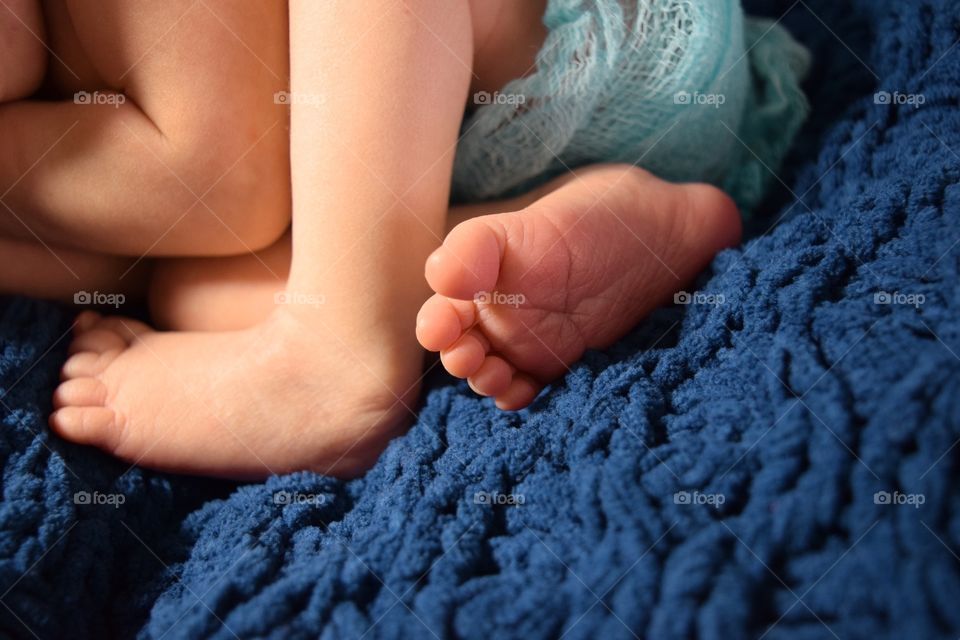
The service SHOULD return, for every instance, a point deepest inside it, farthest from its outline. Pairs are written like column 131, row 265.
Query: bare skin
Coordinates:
column 656, row 235
column 158, row 118
column 520, row 296
column 247, row 387
column 203, row 402
column 22, row 35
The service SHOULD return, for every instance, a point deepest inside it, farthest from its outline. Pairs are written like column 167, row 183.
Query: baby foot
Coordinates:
column 242, row 404
column 520, row 296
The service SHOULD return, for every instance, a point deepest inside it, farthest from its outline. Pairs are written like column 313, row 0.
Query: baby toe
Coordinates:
column 521, row 392
column 467, row 354
column 441, row 321
column 86, row 425
column 468, row 262
column 492, row 378
column 127, row 328
column 80, row 392
column 97, row 341
column 85, row 321
column 87, row 364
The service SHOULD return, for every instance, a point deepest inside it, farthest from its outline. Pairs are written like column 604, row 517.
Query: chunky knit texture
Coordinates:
column 796, row 400
column 645, row 82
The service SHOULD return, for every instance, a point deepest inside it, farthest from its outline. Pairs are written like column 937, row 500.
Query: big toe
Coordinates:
column 713, row 220
column 468, row 261
column 81, row 414
column 97, row 426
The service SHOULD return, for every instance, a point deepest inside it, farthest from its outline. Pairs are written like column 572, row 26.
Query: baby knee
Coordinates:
column 252, row 218
column 245, row 202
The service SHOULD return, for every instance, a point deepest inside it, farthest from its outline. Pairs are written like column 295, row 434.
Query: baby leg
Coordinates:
column 322, row 384
column 23, row 57
column 69, row 275
column 237, row 292
column 656, row 236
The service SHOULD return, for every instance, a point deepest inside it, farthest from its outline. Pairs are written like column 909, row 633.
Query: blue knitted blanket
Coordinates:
column 776, row 459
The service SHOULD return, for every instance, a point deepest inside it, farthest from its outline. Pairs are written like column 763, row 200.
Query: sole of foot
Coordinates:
column 521, row 296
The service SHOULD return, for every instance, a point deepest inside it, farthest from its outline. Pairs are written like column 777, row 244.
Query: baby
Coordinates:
column 158, row 149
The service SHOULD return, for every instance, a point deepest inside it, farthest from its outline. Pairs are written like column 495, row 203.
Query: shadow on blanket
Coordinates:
column 716, row 474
